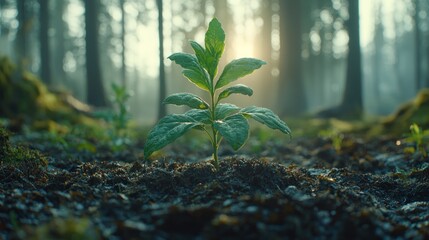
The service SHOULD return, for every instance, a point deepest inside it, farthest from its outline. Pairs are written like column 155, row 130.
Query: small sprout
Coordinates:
column 121, row 113
column 335, row 137
column 218, row 120
column 419, row 138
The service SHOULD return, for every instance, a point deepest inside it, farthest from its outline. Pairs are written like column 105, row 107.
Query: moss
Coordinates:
column 29, row 161
column 50, row 126
column 27, row 98
column 312, row 127
column 398, row 124
column 4, row 142
column 6, row 69
column 71, row 228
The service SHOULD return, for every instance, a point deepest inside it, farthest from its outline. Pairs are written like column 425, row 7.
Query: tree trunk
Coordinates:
column 95, row 89
column 378, row 64
column 292, row 99
column 59, row 43
column 44, row 41
column 124, row 67
column 352, row 105
column 427, row 68
column 21, row 38
column 419, row 81
column 162, row 83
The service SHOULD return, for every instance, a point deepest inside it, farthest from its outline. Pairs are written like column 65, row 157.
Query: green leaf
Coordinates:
column 224, row 110
column 192, row 69
column 197, row 79
column 206, row 60
column 167, row 130
column 239, row 88
column 238, row 68
column 235, row 129
column 215, row 40
column 266, row 117
column 200, row 53
column 185, row 60
column 187, row 99
column 199, row 115
column 120, row 93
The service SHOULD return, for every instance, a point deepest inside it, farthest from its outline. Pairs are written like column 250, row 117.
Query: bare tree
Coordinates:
column 352, row 104
column 59, row 41
column 291, row 96
column 21, row 37
column 418, row 47
column 162, row 83
column 44, row 41
column 378, row 65
column 95, row 89
column 124, row 67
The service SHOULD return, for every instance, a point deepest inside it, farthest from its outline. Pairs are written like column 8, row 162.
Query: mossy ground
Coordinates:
column 28, row 162
column 25, row 100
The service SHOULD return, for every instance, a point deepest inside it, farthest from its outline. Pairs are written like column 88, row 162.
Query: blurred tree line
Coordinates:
column 350, row 57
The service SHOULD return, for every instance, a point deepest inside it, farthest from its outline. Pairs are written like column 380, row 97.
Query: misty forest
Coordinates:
column 214, row 119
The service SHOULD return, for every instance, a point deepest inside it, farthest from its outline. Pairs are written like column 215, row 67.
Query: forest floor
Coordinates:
column 276, row 188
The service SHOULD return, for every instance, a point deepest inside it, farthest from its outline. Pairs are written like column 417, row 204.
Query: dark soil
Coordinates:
column 297, row 189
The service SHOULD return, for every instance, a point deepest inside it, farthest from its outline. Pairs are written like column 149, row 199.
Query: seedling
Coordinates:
column 419, row 138
column 335, row 137
column 218, row 120
column 118, row 118
column 121, row 114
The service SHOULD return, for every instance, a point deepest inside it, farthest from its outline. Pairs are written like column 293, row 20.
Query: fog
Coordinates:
column 50, row 39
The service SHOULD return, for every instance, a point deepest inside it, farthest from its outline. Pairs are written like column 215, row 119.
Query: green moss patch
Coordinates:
column 398, row 124
column 25, row 99
column 28, row 161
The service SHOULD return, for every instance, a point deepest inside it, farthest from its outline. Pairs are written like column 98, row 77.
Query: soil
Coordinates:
column 301, row 188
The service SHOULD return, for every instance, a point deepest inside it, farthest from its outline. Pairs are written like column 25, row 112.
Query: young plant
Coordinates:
column 218, row 120
column 121, row 115
column 335, row 137
column 419, row 138
column 117, row 118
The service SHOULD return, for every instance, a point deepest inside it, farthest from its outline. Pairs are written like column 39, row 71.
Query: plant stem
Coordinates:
column 215, row 154
column 215, row 135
